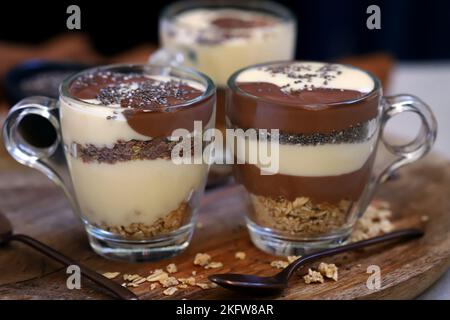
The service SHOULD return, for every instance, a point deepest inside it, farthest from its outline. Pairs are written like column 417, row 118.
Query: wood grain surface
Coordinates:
column 37, row 208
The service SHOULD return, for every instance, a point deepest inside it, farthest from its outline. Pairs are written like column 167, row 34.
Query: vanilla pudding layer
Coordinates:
column 207, row 49
column 306, row 160
column 97, row 125
column 138, row 191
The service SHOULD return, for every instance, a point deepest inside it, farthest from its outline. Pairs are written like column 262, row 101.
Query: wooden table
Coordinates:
column 39, row 209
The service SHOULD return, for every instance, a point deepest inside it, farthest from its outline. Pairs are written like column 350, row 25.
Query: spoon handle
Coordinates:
column 400, row 234
column 109, row 285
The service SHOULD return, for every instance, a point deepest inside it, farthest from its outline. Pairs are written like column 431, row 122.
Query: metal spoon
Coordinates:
column 7, row 235
column 262, row 285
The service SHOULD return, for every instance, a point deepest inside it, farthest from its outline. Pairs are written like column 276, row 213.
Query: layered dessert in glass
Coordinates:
column 327, row 120
column 220, row 37
column 118, row 135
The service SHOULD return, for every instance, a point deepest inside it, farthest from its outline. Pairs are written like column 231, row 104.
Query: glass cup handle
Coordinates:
column 166, row 56
column 421, row 145
column 50, row 160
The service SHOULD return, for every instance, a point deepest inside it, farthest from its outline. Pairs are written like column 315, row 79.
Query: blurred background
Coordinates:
column 328, row 29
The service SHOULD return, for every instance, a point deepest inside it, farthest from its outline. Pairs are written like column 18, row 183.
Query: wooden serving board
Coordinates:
column 38, row 208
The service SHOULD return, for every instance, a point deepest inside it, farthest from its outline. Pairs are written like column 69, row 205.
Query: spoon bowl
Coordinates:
column 249, row 282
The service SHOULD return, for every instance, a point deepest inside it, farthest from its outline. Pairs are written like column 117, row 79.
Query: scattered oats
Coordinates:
column 313, row 277
column 329, row 270
column 202, row 259
column 169, row 282
column 291, row 259
column 358, row 235
column 375, row 221
column 386, row 226
column 279, row 264
column 189, row 281
column 182, row 286
column 240, row 255
column 130, row 277
column 111, row 275
column 124, row 284
column 298, row 202
column 170, row 291
column 424, row 218
column 157, row 275
column 139, row 280
column 132, row 284
column 194, row 273
column 153, row 286
column 171, row 268
column 205, row 286
column 202, row 285
column 214, row 265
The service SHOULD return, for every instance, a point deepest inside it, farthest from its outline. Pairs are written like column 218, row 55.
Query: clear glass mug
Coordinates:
column 135, row 203
column 218, row 52
column 312, row 206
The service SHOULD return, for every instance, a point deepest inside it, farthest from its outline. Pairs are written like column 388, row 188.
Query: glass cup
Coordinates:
column 220, row 37
column 325, row 150
column 115, row 163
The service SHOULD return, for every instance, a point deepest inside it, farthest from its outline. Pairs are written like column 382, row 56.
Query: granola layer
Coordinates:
column 301, row 216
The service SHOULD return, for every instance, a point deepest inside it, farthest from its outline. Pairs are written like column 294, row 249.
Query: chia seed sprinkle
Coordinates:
column 354, row 134
column 136, row 91
column 304, row 72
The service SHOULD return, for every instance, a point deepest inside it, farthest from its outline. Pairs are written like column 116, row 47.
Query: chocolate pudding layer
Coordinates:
column 117, row 132
column 330, row 189
column 327, row 118
column 303, row 98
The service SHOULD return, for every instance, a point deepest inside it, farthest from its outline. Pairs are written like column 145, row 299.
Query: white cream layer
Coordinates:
column 346, row 78
column 313, row 161
column 87, row 124
column 138, row 191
